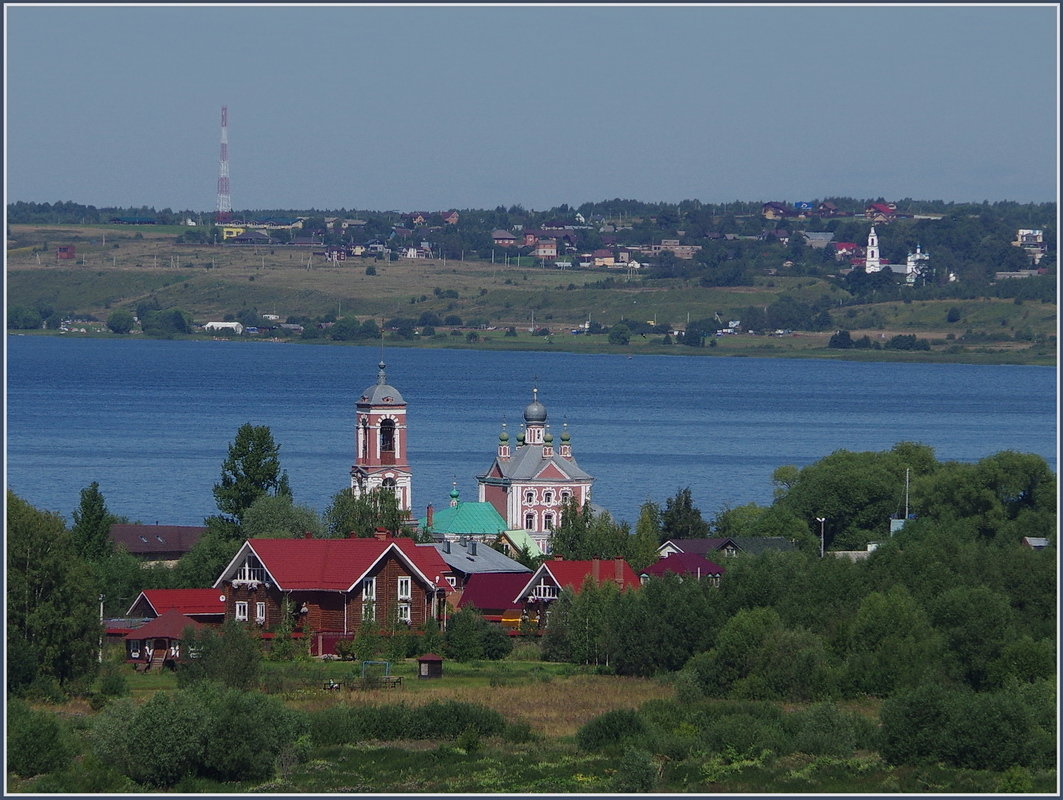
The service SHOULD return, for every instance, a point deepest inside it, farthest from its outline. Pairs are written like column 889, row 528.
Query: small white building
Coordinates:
column 235, row 327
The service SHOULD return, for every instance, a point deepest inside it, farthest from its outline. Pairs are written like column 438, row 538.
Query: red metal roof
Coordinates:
column 684, row 564
column 170, row 625
column 187, row 601
column 572, row 574
column 493, row 590
column 337, row 564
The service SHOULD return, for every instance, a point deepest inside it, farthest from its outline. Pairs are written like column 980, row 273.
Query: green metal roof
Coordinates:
column 520, row 539
column 472, row 518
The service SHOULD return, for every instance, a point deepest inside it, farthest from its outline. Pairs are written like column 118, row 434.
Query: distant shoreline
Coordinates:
column 762, row 349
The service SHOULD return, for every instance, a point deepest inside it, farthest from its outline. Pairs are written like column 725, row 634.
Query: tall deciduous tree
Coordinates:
column 276, row 516
column 250, row 470
column 362, row 515
column 52, row 611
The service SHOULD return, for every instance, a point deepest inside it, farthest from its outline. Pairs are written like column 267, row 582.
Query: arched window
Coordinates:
column 529, row 521
column 387, row 436
column 548, row 498
column 388, row 484
column 365, row 438
column 529, row 496
column 565, row 496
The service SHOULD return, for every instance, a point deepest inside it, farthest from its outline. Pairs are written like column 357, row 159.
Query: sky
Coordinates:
column 429, row 108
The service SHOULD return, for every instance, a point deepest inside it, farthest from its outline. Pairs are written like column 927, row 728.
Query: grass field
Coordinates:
column 119, row 267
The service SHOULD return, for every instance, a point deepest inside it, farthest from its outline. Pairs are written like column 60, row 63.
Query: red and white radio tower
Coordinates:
column 225, row 203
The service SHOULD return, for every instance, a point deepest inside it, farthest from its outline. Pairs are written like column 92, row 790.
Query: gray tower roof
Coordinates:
column 381, row 393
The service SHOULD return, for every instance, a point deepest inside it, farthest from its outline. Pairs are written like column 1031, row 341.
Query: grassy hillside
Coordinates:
column 119, row 267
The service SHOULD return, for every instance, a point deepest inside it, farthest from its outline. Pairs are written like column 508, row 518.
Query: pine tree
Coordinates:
column 92, row 524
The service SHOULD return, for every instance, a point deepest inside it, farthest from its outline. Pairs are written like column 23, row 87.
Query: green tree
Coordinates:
column 277, row 517
column 362, row 515
column 230, row 655
column 250, row 470
column 620, row 334
column 52, row 603
column 201, row 565
column 643, row 550
column 92, row 524
column 681, row 519
column 121, row 321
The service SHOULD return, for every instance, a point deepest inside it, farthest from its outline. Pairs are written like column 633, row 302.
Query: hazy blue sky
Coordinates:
column 456, row 107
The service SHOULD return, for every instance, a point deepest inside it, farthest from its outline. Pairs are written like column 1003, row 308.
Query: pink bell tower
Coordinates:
column 380, row 442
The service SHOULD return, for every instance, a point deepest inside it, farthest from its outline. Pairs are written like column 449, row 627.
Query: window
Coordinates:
column 365, row 438
column 565, row 496
column 404, row 588
column 369, row 590
column 260, row 613
column 529, row 497
column 241, row 612
column 548, row 521
column 404, row 613
column 388, row 484
column 387, row 436
column 368, row 610
column 529, row 521
column 548, row 498
column 452, row 581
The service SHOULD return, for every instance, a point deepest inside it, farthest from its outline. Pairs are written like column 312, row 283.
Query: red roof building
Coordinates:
column 203, row 605
column 493, row 595
column 330, row 586
column 683, row 565
column 158, row 643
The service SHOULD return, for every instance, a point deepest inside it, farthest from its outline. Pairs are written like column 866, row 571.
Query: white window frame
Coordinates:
column 405, row 587
column 260, row 612
column 548, row 498
column 548, row 521
column 369, row 590
column 404, row 613
column 240, row 611
column 529, row 517
column 529, row 496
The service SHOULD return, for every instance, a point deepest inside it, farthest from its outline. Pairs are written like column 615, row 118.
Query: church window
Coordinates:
column 529, row 521
column 548, row 522
column 387, row 436
column 365, row 439
column 565, row 496
column 388, row 484
column 548, row 498
column 529, row 496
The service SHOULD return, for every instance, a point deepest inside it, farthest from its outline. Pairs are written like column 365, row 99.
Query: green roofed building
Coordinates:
column 480, row 520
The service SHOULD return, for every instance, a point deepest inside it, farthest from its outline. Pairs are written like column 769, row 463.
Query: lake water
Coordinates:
column 151, row 421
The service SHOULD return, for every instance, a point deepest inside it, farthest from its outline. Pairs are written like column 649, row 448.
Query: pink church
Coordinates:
column 528, row 484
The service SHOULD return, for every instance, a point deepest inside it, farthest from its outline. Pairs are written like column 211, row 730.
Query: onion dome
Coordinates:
column 503, row 437
column 565, row 437
column 520, row 438
column 382, row 393
column 535, row 412
column 549, row 438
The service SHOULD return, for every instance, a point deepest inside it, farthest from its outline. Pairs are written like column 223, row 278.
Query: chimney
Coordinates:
column 380, row 533
column 308, row 535
column 446, row 545
column 428, row 516
column 472, row 548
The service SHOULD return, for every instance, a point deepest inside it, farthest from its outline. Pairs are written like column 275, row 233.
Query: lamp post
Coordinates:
column 821, row 521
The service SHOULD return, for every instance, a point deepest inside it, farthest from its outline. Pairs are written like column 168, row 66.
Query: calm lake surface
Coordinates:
column 151, row 421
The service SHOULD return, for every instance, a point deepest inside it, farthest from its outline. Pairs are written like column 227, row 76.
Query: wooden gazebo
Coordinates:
column 158, row 643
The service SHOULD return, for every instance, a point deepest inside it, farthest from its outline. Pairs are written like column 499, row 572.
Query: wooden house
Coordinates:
column 329, row 586
column 557, row 575
column 156, row 542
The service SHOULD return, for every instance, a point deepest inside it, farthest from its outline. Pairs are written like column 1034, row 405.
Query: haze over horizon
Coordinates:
column 431, row 108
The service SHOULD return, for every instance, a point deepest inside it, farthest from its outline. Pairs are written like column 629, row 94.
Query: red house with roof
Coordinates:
column 556, row 575
column 684, row 565
column 201, row 605
column 329, row 586
column 494, row 596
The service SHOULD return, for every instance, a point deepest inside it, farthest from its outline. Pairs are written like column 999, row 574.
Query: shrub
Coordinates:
column 826, row 730
column 37, row 742
column 637, row 772
column 612, row 729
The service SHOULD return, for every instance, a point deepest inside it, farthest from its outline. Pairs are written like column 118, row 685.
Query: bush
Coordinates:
column 37, row 742
column 826, row 730
column 209, row 731
column 637, row 772
column 612, row 729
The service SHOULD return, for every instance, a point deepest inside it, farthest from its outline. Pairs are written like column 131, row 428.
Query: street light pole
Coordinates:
column 821, row 521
